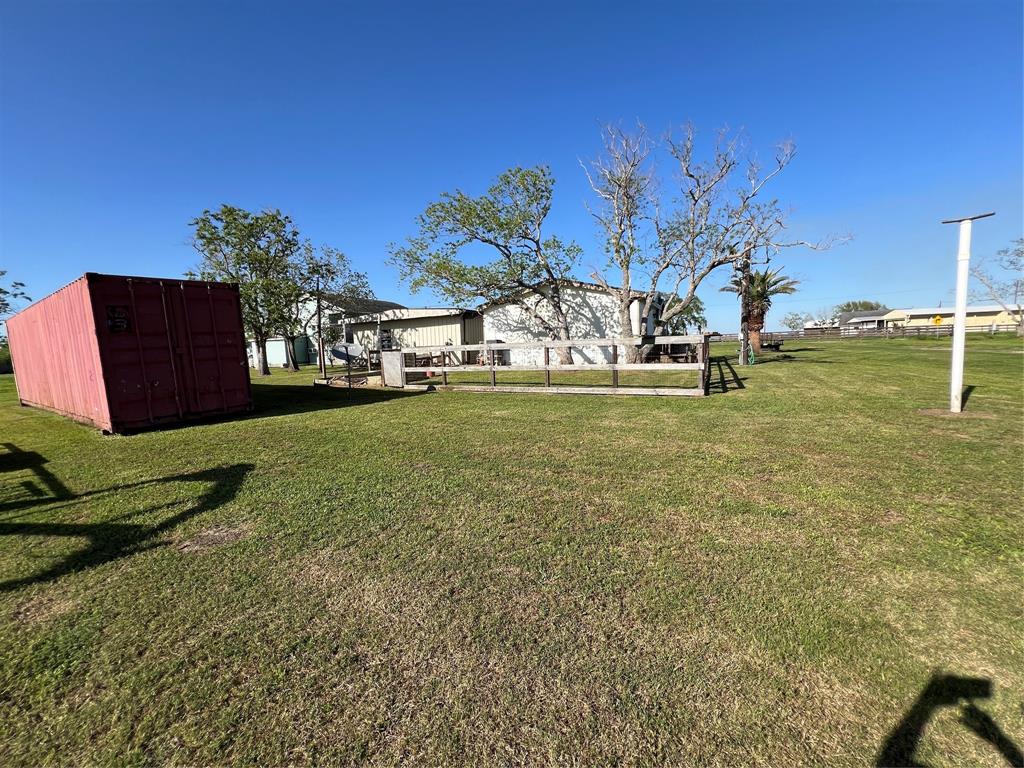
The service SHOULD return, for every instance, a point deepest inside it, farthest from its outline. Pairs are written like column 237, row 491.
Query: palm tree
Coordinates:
column 764, row 284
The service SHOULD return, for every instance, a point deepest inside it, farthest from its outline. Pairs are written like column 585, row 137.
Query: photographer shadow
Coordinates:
column 901, row 745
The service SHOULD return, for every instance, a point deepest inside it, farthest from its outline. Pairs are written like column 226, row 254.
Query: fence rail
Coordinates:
column 914, row 331
column 396, row 371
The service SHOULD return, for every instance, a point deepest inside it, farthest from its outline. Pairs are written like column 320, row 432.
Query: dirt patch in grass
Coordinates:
column 951, row 415
column 211, row 538
column 42, row 608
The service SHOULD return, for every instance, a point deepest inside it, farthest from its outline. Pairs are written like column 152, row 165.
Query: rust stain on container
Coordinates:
column 126, row 353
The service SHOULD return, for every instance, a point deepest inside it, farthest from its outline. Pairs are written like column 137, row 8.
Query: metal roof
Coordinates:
column 412, row 313
column 981, row 308
column 358, row 305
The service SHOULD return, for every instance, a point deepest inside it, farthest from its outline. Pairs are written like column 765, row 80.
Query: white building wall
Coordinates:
column 305, row 352
column 592, row 315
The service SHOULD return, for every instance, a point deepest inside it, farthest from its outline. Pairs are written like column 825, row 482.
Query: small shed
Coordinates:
column 125, row 353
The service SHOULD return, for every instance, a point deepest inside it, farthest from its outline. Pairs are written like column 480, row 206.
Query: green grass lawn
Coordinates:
column 766, row 576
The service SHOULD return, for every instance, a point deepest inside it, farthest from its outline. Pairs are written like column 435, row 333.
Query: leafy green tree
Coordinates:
column 10, row 294
column 257, row 251
column 691, row 317
column 525, row 267
column 324, row 277
column 764, row 285
column 861, row 305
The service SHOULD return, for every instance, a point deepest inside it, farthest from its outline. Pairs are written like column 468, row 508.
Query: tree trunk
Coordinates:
column 755, row 341
column 755, row 326
column 745, row 313
column 564, row 353
column 289, row 353
column 261, row 353
column 633, row 354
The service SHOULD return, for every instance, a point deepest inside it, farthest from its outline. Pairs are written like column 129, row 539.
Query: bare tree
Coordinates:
column 1006, row 291
column 662, row 249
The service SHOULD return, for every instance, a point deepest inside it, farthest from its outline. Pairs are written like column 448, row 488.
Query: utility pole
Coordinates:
column 963, row 266
column 320, row 333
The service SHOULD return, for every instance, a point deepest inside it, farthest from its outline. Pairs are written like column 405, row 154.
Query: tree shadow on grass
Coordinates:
column 109, row 540
column 285, row 399
column 786, row 357
column 900, row 747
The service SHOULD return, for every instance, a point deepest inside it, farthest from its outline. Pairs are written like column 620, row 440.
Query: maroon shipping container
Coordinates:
column 125, row 353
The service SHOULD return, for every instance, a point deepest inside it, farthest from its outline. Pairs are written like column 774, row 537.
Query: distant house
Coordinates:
column 592, row 314
column 865, row 320
column 982, row 316
column 416, row 327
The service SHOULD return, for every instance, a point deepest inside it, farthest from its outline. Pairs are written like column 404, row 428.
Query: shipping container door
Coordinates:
column 140, row 359
column 214, row 368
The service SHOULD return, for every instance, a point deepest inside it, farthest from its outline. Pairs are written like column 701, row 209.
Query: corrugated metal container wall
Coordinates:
column 154, row 351
column 56, row 358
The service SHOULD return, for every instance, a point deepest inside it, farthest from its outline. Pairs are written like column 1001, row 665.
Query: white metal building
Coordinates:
column 592, row 313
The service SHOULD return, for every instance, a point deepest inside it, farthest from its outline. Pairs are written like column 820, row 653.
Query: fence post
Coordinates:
column 705, row 363
column 547, row 366
column 494, row 376
column 444, row 370
column 348, row 362
column 615, row 361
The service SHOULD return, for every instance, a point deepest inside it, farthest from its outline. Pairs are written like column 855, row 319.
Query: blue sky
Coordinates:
column 121, row 121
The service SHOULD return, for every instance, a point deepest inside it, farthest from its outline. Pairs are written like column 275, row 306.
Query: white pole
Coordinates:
column 963, row 263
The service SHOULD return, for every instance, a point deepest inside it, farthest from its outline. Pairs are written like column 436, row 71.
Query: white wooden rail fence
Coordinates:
column 398, row 369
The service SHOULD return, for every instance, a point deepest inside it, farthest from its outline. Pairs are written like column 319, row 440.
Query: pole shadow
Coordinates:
column 900, row 747
column 968, row 391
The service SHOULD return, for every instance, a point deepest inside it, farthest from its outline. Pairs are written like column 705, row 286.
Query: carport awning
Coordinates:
column 352, row 305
